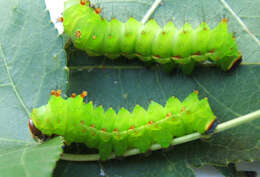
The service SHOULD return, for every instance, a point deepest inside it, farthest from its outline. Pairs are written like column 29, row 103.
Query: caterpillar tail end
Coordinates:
column 235, row 64
column 212, row 127
column 36, row 133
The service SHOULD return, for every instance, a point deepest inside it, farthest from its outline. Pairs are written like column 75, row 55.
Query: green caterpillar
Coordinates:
column 167, row 45
column 109, row 131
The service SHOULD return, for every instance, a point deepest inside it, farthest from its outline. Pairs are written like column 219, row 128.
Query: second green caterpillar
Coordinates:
column 167, row 45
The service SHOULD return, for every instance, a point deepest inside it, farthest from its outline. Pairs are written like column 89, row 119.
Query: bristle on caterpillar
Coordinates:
column 82, row 122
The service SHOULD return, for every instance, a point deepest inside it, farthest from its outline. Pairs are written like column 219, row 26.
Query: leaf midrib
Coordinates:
column 2, row 54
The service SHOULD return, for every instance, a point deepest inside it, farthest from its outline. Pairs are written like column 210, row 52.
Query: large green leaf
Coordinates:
column 32, row 62
column 126, row 83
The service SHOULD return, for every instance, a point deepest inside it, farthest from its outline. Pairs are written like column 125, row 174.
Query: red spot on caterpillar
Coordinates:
column 231, row 48
column 184, row 32
column 224, row 20
column 60, row 19
column 143, row 32
column 178, row 57
column 92, row 126
column 82, row 122
column 78, row 34
column 110, row 36
column 205, row 29
column 58, row 93
column 82, row 2
column 98, row 10
column 169, row 115
column 212, row 51
column 197, row 53
column 84, row 130
column 150, row 122
column 157, row 56
column 94, row 37
column 73, row 95
column 183, row 109
column 84, row 94
column 103, row 129
column 131, row 127
column 58, row 121
column 113, row 18
column 115, row 130
column 163, row 33
column 53, row 92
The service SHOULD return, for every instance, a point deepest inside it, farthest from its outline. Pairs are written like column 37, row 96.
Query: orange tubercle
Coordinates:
column 83, row 2
column 224, row 20
column 53, row 92
column 58, row 93
column 73, row 95
column 98, row 10
column 196, row 92
column 60, row 19
column 84, row 94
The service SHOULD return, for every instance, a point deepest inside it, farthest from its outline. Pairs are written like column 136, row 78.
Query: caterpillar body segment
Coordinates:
column 186, row 46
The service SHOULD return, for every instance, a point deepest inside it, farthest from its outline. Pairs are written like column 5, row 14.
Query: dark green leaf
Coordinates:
column 32, row 62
